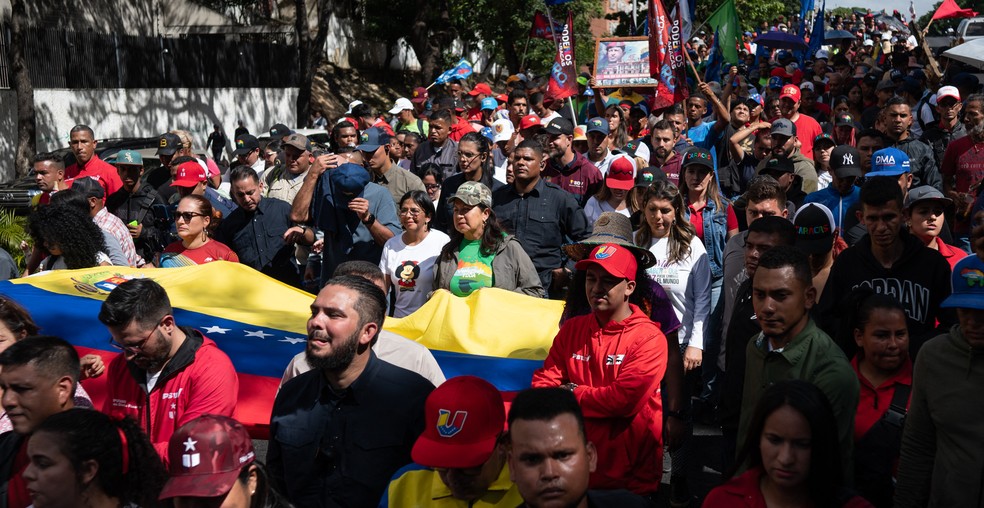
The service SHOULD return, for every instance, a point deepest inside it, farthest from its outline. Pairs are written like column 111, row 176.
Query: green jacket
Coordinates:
column 811, row 356
column 942, row 459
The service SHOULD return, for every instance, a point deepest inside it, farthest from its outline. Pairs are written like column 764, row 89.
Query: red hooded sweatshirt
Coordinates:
column 618, row 369
column 198, row 380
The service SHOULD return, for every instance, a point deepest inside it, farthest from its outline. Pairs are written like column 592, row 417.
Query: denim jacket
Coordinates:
column 715, row 236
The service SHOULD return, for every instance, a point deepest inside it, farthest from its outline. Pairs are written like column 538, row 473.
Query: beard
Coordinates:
column 341, row 355
column 977, row 131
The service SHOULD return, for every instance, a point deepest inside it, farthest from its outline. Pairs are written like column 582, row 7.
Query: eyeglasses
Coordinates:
column 135, row 348
column 187, row 216
column 415, row 212
column 432, row 186
column 465, row 156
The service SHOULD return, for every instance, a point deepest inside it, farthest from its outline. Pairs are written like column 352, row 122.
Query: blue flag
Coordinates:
column 806, row 7
column 460, row 71
column 555, row 2
column 816, row 37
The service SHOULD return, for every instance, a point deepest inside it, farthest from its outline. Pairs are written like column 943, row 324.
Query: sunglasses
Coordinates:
column 187, row 216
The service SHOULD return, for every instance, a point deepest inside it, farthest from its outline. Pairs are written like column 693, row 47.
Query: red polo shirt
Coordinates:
column 96, row 167
column 874, row 401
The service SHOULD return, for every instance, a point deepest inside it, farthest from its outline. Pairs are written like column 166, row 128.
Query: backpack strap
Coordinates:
column 897, row 409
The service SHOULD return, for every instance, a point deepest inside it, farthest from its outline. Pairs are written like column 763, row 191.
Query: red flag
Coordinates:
column 666, row 59
column 541, row 27
column 949, row 9
column 563, row 76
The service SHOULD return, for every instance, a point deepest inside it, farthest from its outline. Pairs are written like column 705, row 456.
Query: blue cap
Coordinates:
column 597, row 124
column 889, row 162
column 775, row 82
column 489, row 133
column 968, row 284
column 490, row 103
column 588, row 92
column 348, row 179
column 372, row 138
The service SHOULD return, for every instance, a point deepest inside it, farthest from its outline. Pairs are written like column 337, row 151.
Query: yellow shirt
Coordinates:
column 424, row 488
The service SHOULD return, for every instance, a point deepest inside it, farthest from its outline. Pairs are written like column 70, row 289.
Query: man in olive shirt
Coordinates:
column 397, row 180
column 791, row 346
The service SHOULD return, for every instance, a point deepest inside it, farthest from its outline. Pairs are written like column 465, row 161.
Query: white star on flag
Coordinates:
column 293, row 340
column 190, row 445
column 258, row 333
column 215, row 329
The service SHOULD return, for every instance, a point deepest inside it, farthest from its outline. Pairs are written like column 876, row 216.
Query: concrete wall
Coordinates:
column 143, row 112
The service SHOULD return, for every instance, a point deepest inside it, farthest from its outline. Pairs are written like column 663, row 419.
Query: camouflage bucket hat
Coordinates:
column 473, row 193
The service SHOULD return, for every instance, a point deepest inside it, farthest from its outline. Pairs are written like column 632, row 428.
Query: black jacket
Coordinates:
column 139, row 207
column 919, row 279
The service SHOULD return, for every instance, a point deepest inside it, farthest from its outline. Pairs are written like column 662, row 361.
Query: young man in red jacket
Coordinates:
column 166, row 375
column 613, row 361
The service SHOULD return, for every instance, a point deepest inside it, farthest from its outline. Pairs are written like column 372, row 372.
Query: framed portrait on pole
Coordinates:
column 622, row 62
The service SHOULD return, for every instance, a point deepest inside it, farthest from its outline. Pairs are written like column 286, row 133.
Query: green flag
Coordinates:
column 724, row 21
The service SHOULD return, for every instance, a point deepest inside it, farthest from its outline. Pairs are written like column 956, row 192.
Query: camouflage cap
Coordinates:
column 473, row 193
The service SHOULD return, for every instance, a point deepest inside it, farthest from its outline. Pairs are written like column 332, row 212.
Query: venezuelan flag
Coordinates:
column 261, row 324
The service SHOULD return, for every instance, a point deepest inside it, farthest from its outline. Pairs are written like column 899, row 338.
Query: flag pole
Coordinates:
column 691, row 62
column 522, row 63
column 430, row 85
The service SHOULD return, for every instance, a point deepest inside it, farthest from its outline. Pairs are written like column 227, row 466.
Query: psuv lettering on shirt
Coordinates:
column 913, row 297
column 580, row 357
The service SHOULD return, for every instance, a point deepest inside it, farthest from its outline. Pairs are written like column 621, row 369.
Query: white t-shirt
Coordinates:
column 411, row 269
column 688, row 284
column 594, row 208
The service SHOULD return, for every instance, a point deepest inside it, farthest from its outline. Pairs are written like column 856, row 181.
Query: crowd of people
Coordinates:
column 794, row 254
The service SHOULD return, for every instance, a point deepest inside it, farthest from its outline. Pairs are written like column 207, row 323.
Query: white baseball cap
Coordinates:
column 502, row 130
column 948, row 91
column 352, row 105
column 868, row 42
column 401, row 104
column 823, row 54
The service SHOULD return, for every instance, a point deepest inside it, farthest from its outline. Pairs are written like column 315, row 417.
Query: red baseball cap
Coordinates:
column 189, row 174
column 206, row 456
column 614, row 259
column 464, row 418
column 419, row 94
column 481, row 88
column 529, row 121
column 621, row 174
column 790, row 91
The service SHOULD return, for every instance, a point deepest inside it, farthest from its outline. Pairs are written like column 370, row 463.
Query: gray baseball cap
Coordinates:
column 784, row 127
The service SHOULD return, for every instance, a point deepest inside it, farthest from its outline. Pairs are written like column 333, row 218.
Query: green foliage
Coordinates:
column 13, row 231
column 502, row 27
column 750, row 12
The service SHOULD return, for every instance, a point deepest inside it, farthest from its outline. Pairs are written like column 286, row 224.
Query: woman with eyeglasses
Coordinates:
column 195, row 220
column 476, row 165
column 408, row 259
column 432, row 178
column 480, row 254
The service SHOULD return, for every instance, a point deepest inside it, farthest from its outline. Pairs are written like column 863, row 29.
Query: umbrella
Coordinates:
column 970, row 53
column 892, row 23
column 781, row 40
column 838, row 35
